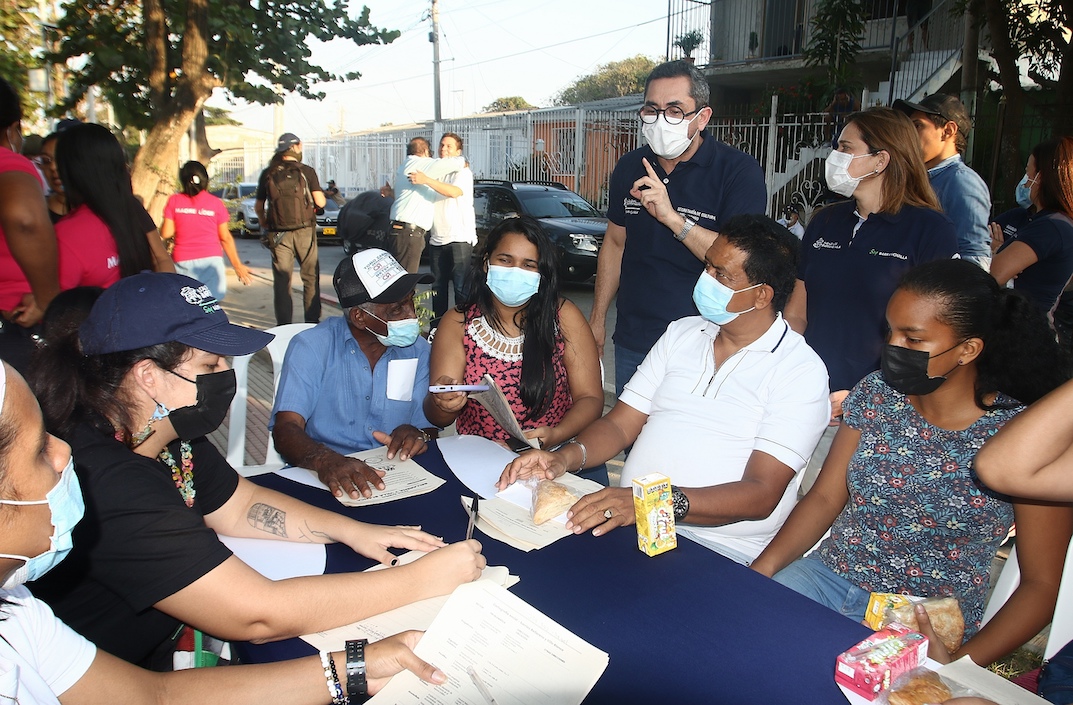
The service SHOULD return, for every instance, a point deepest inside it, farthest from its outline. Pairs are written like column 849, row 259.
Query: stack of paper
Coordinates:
column 403, row 478
column 519, row 654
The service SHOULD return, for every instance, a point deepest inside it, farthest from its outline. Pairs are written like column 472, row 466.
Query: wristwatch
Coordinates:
column 680, row 502
column 686, row 227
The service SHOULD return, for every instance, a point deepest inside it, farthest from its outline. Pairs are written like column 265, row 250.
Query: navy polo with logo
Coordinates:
column 849, row 278
column 658, row 273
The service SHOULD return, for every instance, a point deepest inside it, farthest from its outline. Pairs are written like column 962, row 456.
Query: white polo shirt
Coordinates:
column 704, row 423
column 453, row 220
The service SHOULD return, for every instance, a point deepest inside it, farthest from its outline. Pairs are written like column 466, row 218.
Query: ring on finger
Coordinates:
column 608, row 513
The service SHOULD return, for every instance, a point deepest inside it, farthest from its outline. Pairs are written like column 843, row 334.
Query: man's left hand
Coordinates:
column 406, row 441
column 419, row 177
column 654, row 197
column 602, row 511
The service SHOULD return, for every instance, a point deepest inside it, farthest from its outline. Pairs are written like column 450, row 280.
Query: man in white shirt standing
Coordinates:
column 454, row 230
column 412, row 211
column 728, row 405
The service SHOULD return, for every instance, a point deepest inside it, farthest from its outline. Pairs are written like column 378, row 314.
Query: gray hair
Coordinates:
column 698, row 88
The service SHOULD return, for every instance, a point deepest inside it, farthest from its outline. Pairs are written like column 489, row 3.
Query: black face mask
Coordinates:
column 214, row 394
column 907, row 370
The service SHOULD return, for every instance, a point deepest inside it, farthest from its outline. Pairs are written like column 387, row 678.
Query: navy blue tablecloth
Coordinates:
column 688, row 626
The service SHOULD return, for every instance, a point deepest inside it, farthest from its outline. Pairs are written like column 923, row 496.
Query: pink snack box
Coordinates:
column 870, row 666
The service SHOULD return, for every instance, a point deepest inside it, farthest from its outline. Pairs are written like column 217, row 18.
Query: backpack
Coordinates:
column 290, row 205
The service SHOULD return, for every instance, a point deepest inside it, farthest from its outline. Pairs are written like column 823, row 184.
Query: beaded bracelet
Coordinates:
column 357, row 687
column 335, row 688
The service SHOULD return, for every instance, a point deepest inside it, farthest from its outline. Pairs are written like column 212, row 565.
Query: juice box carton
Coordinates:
column 880, row 602
column 654, row 512
column 872, row 665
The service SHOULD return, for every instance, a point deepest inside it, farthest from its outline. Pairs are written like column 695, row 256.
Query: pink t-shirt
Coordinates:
column 13, row 284
column 197, row 225
column 88, row 254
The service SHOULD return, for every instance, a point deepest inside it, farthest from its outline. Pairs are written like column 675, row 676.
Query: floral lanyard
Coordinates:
column 183, row 476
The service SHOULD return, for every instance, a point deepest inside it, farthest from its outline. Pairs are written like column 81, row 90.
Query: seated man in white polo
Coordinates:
column 358, row 380
column 728, row 404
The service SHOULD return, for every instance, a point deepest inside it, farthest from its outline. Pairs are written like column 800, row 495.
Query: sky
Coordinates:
column 488, row 49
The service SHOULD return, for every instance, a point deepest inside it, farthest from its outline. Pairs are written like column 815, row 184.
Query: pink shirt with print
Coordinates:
column 197, row 225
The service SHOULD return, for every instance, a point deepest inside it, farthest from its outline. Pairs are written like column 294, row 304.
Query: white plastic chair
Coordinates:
column 236, row 429
column 1061, row 624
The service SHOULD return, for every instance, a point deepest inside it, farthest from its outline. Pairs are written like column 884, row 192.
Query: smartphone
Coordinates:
column 438, row 388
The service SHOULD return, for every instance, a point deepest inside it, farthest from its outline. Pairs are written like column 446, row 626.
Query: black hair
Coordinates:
column 1054, row 171
column 538, row 319
column 73, row 388
column 699, row 90
column 194, row 178
column 10, row 105
column 771, row 253
column 1021, row 357
column 93, row 170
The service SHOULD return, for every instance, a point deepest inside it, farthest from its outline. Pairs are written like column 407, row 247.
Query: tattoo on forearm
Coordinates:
column 308, row 533
column 267, row 518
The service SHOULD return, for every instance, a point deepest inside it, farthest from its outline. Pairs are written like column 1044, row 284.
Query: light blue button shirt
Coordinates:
column 327, row 381
column 967, row 202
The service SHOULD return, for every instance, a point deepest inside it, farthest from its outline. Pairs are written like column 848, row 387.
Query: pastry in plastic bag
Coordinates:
column 920, row 689
column 945, row 615
column 550, row 499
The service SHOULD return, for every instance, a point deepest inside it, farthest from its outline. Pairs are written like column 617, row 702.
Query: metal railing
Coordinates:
column 920, row 58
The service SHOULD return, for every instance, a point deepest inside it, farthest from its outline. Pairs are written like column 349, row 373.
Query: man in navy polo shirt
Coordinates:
column 668, row 200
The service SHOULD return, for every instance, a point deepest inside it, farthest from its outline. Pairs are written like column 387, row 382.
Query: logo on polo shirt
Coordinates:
column 822, row 244
column 880, row 253
column 201, row 296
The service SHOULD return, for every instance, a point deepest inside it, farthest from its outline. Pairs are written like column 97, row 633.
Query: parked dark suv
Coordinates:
column 571, row 222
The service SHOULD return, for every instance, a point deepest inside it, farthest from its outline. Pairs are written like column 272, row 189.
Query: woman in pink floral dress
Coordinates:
column 514, row 326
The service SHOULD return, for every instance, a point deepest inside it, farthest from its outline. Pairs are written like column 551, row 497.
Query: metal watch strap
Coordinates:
column 357, row 687
column 686, row 227
column 680, row 502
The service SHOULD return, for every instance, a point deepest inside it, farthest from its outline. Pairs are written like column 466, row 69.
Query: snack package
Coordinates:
column 923, row 686
column 872, row 665
column 654, row 513
column 550, row 499
column 945, row 613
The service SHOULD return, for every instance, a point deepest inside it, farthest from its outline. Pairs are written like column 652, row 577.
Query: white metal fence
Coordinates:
column 577, row 147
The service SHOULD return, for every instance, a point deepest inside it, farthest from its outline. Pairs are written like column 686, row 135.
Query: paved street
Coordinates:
column 252, row 305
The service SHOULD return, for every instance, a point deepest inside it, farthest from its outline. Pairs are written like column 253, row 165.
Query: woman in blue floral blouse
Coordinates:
column 906, row 512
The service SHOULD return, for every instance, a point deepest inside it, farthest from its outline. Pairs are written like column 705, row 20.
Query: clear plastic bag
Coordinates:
column 550, row 499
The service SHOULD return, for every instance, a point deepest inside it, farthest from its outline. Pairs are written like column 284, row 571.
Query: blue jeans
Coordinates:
column 626, row 363
column 810, row 577
column 207, row 270
column 449, row 264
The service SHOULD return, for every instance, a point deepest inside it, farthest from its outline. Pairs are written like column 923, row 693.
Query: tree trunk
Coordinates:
column 1010, row 159
column 156, row 165
column 205, row 151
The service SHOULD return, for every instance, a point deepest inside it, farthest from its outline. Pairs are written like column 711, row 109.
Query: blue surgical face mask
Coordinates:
column 400, row 334
column 67, row 507
column 712, row 298
column 1023, row 192
column 513, row 286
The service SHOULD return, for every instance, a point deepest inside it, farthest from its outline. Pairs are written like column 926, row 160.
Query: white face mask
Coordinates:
column 666, row 140
column 836, row 170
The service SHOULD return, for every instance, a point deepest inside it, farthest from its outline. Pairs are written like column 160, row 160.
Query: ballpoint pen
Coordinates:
column 472, row 518
column 477, row 681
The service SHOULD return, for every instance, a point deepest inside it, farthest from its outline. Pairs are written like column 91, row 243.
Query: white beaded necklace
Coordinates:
column 494, row 343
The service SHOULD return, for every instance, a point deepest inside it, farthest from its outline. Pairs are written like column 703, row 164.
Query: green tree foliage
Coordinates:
column 502, row 105
column 218, row 116
column 19, row 36
column 156, row 61
column 836, row 30
column 611, row 80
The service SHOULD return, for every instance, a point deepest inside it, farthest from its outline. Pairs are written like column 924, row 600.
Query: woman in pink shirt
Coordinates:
column 198, row 222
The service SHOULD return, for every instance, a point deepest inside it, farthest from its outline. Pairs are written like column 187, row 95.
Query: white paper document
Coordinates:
column 500, row 520
column 499, row 409
column 403, row 478
column 278, row 560
column 521, row 655
column 416, row 615
column 476, row 462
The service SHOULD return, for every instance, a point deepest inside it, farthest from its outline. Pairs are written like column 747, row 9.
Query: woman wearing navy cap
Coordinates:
column 135, row 392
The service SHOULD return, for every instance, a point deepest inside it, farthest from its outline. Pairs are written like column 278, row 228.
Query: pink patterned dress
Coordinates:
column 490, row 352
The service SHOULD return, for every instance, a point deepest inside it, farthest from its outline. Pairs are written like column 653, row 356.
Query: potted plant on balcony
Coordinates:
column 689, row 42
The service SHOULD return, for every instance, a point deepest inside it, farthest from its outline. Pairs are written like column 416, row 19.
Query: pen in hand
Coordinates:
column 485, row 693
column 472, row 518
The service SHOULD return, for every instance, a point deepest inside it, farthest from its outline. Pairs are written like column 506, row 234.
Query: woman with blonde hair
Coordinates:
column 855, row 252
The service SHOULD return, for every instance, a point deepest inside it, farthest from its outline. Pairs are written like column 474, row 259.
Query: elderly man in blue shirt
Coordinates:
column 356, row 381
column 943, row 125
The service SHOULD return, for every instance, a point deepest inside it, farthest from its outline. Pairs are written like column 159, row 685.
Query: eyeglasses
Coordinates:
column 673, row 115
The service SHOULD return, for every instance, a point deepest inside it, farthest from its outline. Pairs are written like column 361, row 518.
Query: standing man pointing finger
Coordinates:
column 668, row 200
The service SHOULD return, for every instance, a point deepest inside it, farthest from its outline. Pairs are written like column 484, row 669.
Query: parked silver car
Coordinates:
column 240, row 199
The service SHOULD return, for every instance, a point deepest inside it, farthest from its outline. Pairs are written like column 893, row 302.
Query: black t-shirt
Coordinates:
column 308, row 172
column 137, row 544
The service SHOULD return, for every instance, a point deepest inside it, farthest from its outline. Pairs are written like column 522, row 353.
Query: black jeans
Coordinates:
column 450, row 264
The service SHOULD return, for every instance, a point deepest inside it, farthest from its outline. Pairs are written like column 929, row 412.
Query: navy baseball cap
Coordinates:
column 153, row 308
column 286, row 141
column 948, row 107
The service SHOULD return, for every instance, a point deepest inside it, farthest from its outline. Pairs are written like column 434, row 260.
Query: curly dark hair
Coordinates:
column 1021, row 357
column 538, row 319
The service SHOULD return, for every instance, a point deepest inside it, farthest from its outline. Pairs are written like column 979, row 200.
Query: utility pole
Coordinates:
column 434, row 37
